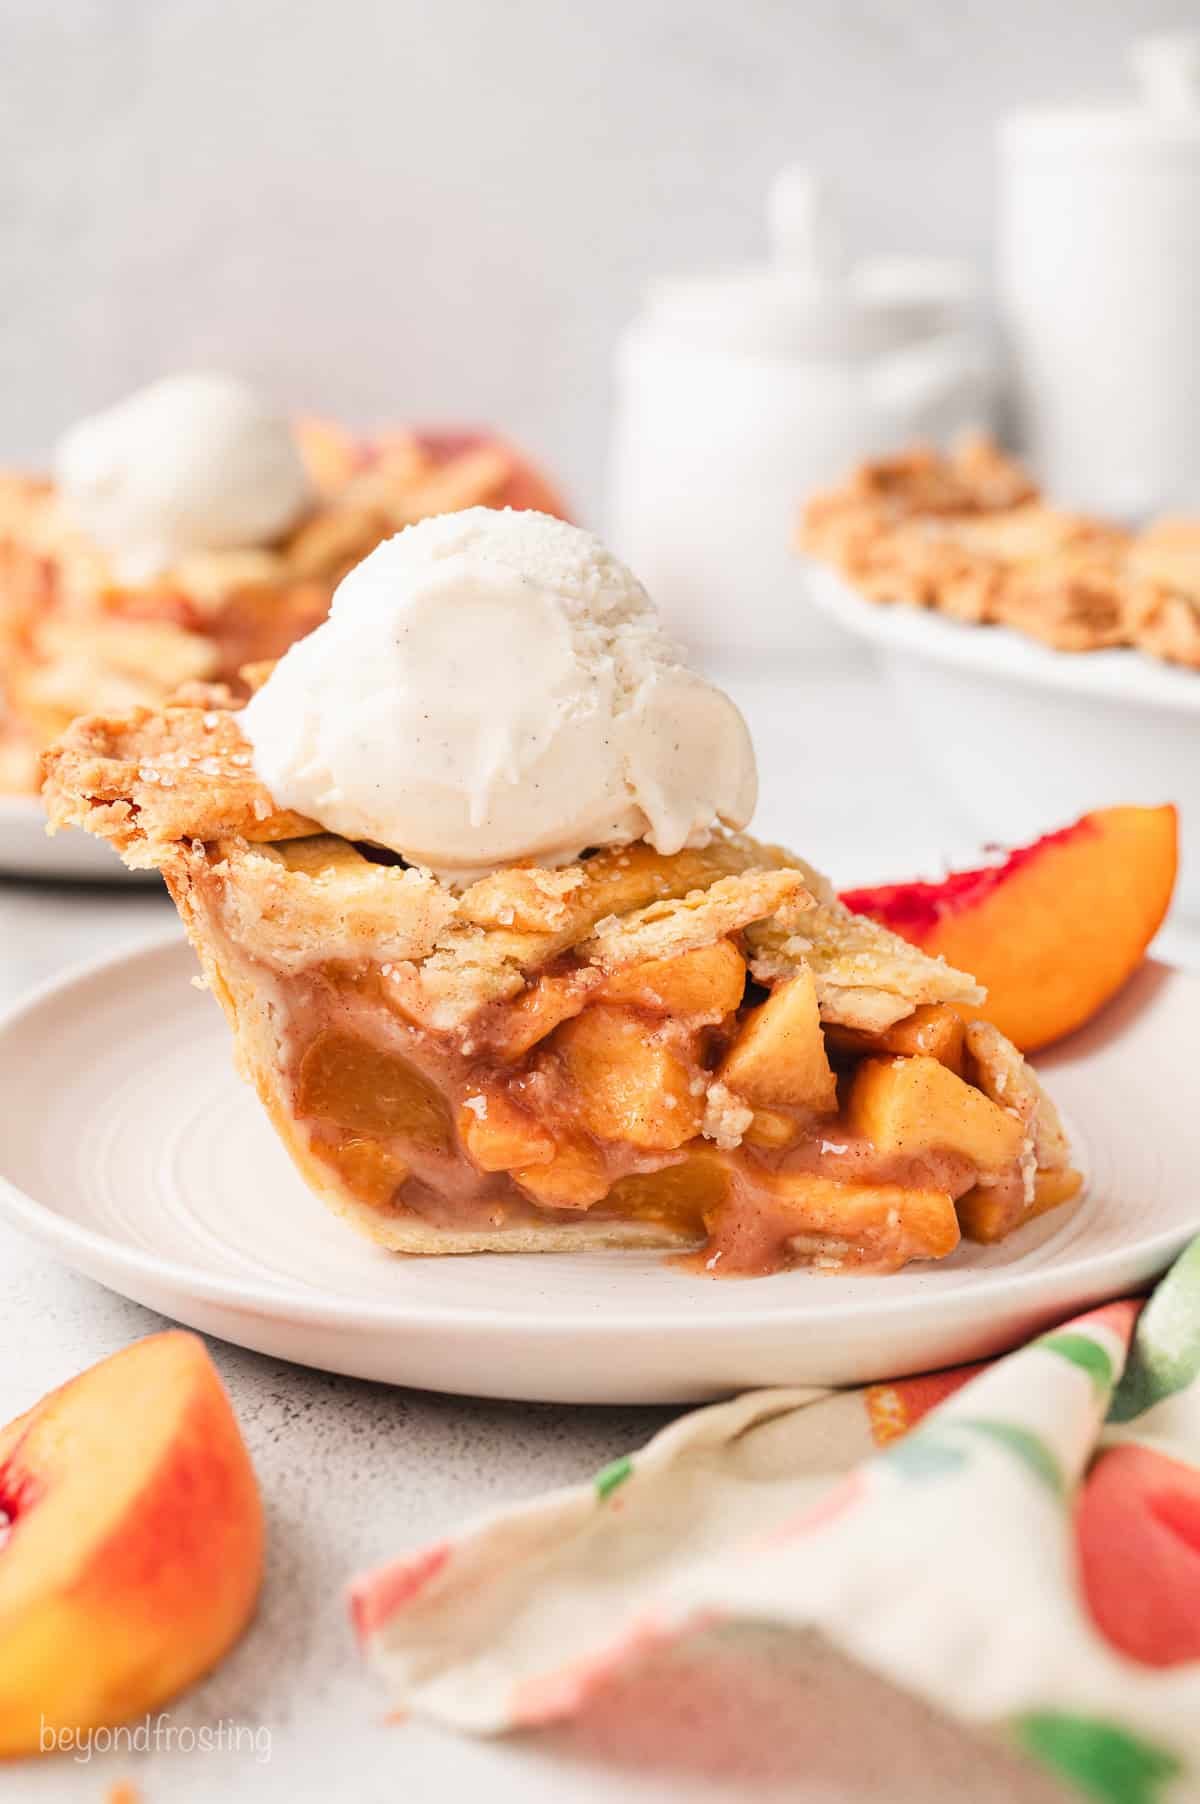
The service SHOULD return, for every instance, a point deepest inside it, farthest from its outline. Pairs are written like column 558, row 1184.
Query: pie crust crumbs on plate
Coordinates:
column 705, row 1052
column 969, row 535
column 74, row 640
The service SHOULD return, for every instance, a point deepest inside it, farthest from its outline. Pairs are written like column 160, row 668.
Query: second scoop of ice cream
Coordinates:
column 193, row 463
column 495, row 686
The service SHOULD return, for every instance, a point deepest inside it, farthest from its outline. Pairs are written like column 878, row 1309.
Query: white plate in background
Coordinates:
column 133, row 1153
column 1018, row 739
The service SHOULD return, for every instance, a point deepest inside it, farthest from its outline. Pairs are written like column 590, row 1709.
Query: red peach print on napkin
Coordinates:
column 1138, row 1537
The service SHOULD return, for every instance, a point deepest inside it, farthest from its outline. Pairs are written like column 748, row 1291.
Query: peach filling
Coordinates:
column 371, row 1092
column 654, row 1095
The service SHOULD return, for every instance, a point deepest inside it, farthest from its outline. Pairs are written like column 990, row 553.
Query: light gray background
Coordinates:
column 446, row 208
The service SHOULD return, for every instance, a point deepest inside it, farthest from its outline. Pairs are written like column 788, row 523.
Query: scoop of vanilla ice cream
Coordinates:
column 493, row 686
column 193, row 463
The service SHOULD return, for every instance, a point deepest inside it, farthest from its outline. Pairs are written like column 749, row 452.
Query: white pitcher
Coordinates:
column 739, row 393
column 1099, row 277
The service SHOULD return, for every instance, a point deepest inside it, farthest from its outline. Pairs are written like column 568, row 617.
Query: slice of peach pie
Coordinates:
column 704, row 1051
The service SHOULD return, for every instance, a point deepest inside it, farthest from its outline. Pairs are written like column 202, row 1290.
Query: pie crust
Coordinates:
column 968, row 534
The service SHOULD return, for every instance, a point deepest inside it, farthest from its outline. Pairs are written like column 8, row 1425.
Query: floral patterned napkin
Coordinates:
column 1017, row 1542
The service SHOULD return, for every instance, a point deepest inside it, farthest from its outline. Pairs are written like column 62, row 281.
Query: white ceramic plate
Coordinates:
column 27, row 850
column 1122, row 674
column 132, row 1152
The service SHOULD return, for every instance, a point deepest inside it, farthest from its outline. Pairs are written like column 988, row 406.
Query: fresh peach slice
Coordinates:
column 132, row 1547
column 1052, row 932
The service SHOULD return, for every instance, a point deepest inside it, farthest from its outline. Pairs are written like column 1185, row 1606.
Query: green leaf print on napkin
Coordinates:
column 612, row 1475
column 1165, row 1355
column 1101, row 1759
column 1084, row 1352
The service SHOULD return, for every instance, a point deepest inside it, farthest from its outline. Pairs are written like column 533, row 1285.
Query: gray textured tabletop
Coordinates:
column 353, row 1473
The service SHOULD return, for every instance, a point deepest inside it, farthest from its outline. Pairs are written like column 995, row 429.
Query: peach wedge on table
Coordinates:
column 132, row 1546
column 1054, row 930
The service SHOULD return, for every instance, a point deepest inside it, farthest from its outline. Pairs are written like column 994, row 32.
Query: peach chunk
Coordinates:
column 574, row 1178
column 934, row 1030
column 885, row 1222
column 631, row 1085
column 826, row 1222
column 779, row 1056
column 368, row 1090
column 133, row 1549
column 914, row 1106
column 368, row 1169
column 1054, row 931
column 707, row 981
column 988, row 1212
column 682, row 1195
column 773, row 1129
column 499, row 1136
column 536, row 1012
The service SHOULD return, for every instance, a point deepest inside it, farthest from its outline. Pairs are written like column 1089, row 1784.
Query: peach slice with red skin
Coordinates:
column 132, row 1547
column 1052, row 932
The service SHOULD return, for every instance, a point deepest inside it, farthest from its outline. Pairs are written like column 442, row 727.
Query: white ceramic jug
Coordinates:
column 739, row 393
column 1099, row 278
